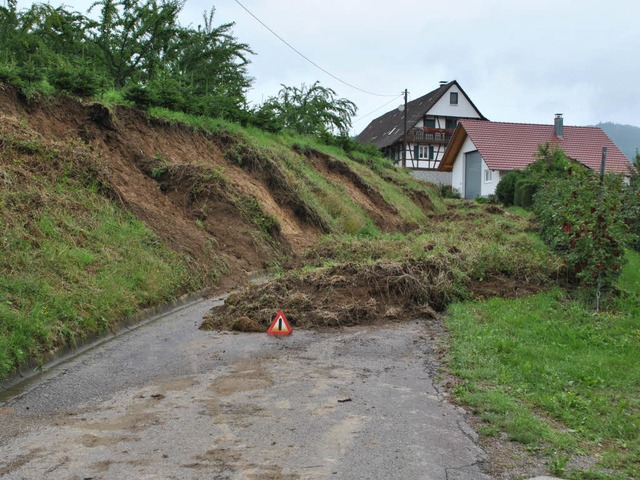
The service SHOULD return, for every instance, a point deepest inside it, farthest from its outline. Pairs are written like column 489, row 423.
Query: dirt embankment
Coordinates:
column 179, row 181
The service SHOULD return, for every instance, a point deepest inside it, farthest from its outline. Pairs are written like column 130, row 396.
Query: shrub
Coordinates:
column 8, row 74
column 167, row 93
column 78, row 81
column 581, row 216
column 140, row 95
column 525, row 188
column 505, row 191
column 30, row 73
column 631, row 203
column 447, row 191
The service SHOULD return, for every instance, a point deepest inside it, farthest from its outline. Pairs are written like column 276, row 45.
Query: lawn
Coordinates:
column 551, row 374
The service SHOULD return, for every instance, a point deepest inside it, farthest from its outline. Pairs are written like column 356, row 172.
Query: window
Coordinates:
column 453, row 98
column 430, row 122
column 450, row 123
column 488, row 175
column 426, row 152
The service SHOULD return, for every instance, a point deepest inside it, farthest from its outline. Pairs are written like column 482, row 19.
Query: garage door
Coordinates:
column 472, row 174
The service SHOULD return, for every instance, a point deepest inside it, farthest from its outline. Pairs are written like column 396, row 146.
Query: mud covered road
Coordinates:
column 170, row 401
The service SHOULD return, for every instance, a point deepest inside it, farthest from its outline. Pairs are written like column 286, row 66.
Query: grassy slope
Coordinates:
column 336, row 209
column 74, row 262
column 555, row 376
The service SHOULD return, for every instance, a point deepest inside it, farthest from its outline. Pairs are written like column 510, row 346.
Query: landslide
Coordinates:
column 87, row 191
column 469, row 251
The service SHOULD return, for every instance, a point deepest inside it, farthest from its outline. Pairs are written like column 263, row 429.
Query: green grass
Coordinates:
column 554, row 376
column 73, row 263
column 477, row 244
column 331, row 202
column 630, row 276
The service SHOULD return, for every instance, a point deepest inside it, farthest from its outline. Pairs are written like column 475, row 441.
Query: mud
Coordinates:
column 340, row 296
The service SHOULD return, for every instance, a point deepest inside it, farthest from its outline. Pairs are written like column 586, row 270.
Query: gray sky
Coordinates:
column 519, row 61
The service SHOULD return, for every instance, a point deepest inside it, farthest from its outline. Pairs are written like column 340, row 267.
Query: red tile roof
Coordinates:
column 510, row 146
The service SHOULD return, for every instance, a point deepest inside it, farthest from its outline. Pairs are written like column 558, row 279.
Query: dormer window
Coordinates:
column 453, row 98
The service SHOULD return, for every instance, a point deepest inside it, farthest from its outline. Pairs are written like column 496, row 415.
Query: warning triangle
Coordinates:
column 280, row 325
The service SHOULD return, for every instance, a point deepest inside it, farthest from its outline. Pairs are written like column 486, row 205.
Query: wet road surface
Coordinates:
column 168, row 401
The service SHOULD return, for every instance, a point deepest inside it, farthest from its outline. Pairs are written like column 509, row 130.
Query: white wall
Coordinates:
column 487, row 188
column 463, row 109
column 457, row 175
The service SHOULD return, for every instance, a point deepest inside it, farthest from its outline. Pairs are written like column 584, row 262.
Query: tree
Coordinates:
column 582, row 217
column 631, row 203
column 211, row 60
column 134, row 37
column 313, row 110
column 520, row 186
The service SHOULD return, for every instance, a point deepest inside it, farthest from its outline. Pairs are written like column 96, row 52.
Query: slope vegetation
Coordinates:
column 104, row 211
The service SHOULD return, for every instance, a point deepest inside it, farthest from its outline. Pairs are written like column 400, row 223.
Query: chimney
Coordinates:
column 558, row 125
column 443, row 83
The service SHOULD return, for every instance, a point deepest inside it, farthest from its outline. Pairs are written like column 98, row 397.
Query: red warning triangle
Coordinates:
column 280, row 325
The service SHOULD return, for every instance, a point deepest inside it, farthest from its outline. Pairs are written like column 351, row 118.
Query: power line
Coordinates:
column 307, row 58
column 379, row 108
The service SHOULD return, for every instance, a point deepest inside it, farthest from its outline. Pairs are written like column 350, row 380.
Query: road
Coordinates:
column 168, row 401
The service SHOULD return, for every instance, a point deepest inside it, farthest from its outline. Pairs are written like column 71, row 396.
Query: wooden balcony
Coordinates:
column 437, row 136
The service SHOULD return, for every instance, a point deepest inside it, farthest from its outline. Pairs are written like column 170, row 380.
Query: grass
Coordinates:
column 330, row 202
column 552, row 375
column 478, row 244
column 73, row 263
column 630, row 276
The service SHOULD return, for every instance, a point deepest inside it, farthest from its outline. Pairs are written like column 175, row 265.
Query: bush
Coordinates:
column 140, row 95
column 505, row 191
column 524, row 191
column 631, row 203
column 8, row 74
column 447, row 191
column 77, row 81
column 30, row 73
column 585, row 221
column 167, row 93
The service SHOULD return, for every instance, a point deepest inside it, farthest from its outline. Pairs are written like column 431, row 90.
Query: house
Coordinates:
column 481, row 152
column 431, row 120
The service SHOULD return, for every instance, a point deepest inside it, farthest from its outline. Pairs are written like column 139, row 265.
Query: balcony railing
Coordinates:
column 429, row 135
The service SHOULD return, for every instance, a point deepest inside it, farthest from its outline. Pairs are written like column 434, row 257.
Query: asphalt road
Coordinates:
column 168, row 401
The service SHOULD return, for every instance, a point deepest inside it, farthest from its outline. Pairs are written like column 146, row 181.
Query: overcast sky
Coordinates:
column 519, row 61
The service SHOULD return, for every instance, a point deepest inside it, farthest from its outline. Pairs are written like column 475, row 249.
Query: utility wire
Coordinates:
column 307, row 58
column 361, row 117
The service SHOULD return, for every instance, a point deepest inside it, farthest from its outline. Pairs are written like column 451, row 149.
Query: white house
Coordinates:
column 431, row 120
column 481, row 152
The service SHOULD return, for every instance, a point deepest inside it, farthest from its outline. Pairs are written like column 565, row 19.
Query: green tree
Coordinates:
column 582, row 217
column 133, row 37
column 313, row 110
column 211, row 60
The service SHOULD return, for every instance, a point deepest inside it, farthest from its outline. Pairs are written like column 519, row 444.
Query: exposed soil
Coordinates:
column 351, row 294
column 165, row 174
column 340, row 296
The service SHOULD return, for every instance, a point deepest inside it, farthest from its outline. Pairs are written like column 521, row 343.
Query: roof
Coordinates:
column 513, row 146
column 389, row 128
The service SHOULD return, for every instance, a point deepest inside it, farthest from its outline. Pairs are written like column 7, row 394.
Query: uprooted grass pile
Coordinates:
column 343, row 295
column 474, row 252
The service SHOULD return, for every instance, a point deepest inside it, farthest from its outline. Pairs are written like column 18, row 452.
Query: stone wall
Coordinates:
column 439, row 178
